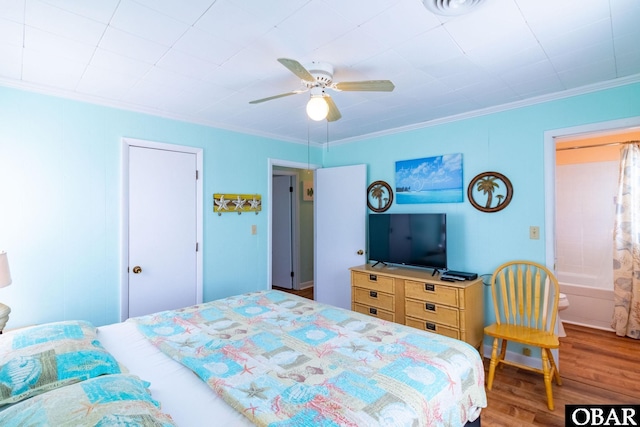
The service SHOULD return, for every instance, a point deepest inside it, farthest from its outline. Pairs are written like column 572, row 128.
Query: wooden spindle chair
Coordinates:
column 525, row 299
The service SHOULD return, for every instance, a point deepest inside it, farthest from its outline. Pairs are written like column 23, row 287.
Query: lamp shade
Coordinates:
column 5, row 274
column 317, row 108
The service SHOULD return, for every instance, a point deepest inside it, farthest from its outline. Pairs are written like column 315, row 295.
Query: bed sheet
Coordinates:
column 188, row 400
column 284, row 360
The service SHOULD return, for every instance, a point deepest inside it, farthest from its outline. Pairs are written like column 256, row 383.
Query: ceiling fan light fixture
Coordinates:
column 317, row 108
column 316, row 79
column 451, row 7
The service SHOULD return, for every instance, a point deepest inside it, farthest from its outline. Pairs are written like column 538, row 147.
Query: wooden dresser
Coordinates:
column 416, row 298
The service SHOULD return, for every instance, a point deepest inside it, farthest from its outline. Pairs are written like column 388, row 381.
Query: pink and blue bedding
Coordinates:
column 282, row 360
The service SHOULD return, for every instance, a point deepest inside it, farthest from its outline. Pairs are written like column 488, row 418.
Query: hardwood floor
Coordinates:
column 596, row 367
column 306, row 293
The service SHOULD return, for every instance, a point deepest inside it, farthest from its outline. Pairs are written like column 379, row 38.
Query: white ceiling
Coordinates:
column 203, row 60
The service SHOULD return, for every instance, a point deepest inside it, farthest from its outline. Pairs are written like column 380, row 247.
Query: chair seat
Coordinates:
column 523, row 334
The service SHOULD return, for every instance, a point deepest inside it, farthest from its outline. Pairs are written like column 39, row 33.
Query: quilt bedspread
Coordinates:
column 282, row 360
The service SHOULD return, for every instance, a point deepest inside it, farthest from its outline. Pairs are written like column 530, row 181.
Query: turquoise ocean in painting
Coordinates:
column 435, row 179
column 430, row 196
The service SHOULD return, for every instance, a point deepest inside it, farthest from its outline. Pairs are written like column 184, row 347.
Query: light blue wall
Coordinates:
column 510, row 142
column 60, row 207
column 60, row 189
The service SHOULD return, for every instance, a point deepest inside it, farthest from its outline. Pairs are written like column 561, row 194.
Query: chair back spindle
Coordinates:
column 525, row 294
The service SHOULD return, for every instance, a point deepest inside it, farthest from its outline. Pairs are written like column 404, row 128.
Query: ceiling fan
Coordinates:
column 316, row 79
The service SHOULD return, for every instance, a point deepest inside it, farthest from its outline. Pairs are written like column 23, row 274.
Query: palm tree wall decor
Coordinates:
column 380, row 193
column 490, row 192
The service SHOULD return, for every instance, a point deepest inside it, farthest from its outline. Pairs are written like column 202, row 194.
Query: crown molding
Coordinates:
column 67, row 94
column 582, row 90
column 135, row 108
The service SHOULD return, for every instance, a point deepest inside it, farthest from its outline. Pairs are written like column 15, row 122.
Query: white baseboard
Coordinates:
column 588, row 325
column 534, row 362
column 306, row 285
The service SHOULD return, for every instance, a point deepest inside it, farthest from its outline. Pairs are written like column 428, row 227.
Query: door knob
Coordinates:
column 360, row 252
column 137, row 269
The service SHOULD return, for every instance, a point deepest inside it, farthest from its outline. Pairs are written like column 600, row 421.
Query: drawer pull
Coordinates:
column 373, row 311
column 429, row 287
column 373, row 294
column 373, row 277
column 430, row 326
column 429, row 307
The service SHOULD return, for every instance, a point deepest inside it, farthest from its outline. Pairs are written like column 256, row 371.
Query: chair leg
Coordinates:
column 492, row 364
column 546, row 370
column 503, row 352
column 556, row 373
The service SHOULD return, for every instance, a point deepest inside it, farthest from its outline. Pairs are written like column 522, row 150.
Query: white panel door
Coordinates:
column 282, row 237
column 162, row 230
column 340, row 204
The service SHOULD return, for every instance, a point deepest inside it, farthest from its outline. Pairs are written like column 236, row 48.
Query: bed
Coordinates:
column 272, row 358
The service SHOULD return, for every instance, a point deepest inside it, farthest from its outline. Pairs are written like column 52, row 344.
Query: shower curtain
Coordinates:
column 626, row 245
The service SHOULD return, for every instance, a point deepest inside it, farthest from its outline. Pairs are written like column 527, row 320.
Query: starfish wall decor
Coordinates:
column 237, row 203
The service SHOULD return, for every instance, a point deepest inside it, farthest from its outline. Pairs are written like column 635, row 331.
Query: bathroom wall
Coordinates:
column 585, row 212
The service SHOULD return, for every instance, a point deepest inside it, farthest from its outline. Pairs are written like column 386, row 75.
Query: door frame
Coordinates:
column 124, row 215
column 549, row 153
column 287, row 164
column 295, row 226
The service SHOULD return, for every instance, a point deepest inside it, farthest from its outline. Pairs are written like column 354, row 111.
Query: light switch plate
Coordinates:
column 534, row 232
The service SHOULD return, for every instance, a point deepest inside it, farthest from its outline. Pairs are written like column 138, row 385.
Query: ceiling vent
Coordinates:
column 451, row 7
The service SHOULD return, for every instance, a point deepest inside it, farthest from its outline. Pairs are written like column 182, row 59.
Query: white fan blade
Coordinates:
column 296, row 68
column 334, row 113
column 295, row 92
column 365, row 85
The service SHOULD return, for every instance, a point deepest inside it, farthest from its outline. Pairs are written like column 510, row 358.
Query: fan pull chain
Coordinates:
column 308, row 148
column 327, row 135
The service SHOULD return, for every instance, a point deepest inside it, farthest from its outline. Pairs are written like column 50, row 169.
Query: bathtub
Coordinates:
column 588, row 306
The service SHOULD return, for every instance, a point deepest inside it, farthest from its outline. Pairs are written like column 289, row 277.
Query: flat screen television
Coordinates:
column 413, row 239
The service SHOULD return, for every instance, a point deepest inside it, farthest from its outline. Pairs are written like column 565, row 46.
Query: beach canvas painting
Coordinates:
column 430, row 180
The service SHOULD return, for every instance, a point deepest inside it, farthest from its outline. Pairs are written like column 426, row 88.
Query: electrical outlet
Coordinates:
column 526, row 351
column 534, row 232
column 254, row 229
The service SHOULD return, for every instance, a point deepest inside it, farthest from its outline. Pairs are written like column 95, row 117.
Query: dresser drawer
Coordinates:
column 431, row 312
column 374, row 311
column 431, row 292
column 373, row 298
column 433, row 327
column 420, row 300
column 374, row 282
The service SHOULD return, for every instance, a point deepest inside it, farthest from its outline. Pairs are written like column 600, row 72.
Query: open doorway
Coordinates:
column 550, row 144
column 580, row 186
column 285, row 225
column 291, row 219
